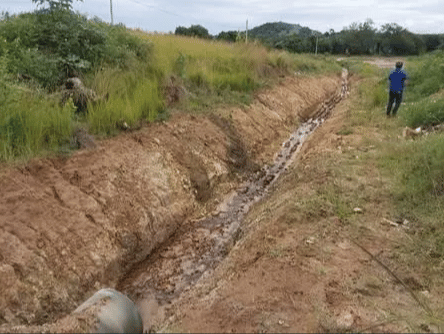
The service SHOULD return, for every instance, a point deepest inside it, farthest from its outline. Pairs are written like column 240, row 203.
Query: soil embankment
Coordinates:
column 71, row 226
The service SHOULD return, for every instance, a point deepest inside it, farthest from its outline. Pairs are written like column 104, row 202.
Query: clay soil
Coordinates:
column 72, row 225
column 304, row 260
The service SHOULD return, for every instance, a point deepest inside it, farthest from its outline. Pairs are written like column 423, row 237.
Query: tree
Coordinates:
column 56, row 4
column 360, row 38
column 194, row 31
column 229, row 36
column 397, row 40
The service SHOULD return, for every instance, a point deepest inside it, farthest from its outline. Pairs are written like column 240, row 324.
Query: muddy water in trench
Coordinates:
column 199, row 246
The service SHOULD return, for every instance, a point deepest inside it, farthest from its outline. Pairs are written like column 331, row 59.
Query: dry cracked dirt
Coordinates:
column 197, row 220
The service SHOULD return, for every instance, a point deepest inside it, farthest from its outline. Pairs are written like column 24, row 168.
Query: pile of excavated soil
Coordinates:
column 70, row 226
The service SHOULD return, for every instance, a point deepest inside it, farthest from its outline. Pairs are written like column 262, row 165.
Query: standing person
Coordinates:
column 397, row 81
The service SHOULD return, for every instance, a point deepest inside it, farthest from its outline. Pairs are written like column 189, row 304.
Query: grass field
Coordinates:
column 209, row 73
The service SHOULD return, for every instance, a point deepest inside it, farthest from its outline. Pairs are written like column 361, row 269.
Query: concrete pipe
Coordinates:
column 112, row 311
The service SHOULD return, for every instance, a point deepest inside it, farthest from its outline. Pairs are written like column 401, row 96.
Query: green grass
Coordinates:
column 130, row 82
column 426, row 73
column 415, row 167
column 134, row 95
column 426, row 111
column 30, row 123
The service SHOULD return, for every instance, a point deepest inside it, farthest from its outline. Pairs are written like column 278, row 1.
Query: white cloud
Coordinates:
column 223, row 15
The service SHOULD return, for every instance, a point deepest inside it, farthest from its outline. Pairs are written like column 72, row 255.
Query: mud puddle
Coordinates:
column 196, row 249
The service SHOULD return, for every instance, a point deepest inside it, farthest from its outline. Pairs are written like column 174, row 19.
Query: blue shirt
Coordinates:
column 397, row 79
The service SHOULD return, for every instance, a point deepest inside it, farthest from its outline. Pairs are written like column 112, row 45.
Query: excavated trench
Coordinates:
column 197, row 247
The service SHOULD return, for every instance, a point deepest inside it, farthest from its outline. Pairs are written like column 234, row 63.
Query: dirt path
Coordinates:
column 381, row 62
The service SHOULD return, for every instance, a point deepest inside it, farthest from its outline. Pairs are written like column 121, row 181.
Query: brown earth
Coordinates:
column 318, row 254
column 69, row 226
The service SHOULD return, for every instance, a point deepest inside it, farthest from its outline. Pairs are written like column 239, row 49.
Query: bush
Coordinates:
column 193, row 31
column 50, row 46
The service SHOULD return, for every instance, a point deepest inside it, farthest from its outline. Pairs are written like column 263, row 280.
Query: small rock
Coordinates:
column 389, row 222
column 8, row 315
column 310, row 240
column 157, row 141
column 345, row 319
column 357, row 210
column 425, row 293
column 344, row 245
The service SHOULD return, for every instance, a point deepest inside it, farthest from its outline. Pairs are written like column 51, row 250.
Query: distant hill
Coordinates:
column 276, row 30
column 358, row 38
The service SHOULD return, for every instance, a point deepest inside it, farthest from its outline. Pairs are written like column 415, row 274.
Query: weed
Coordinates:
column 425, row 75
column 345, row 131
column 279, row 251
column 30, row 123
column 427, row 111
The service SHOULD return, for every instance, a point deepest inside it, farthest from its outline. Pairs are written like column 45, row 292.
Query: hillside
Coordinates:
column 278, row 30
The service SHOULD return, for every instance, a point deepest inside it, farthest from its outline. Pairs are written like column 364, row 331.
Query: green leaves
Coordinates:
column 56, row 4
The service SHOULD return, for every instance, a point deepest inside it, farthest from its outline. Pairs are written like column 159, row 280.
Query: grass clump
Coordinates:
column 425, row 112
column 133, row 96
column 425, row 75
column 418, row 191
column 30, row 123
column 419, row 172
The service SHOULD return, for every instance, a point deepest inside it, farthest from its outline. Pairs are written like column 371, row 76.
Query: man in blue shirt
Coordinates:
column 397, row 80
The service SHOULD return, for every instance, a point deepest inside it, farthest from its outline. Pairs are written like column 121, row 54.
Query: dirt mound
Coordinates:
column 71, row 226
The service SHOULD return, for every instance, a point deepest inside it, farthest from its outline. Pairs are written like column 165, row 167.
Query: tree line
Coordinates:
column 356, row 39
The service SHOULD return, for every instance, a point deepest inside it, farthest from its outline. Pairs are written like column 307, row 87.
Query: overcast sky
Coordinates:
column 419, row 16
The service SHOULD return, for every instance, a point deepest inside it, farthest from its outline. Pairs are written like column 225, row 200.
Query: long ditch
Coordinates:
column 196, row 249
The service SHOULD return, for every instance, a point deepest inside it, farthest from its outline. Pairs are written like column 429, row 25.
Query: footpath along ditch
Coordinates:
column 72, row 226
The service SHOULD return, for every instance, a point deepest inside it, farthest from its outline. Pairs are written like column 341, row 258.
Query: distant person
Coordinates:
column 397, row 81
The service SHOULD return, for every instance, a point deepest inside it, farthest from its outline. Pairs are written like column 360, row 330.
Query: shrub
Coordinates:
column 50, row 46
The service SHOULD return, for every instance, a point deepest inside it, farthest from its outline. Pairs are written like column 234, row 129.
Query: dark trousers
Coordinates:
column 394, row 97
